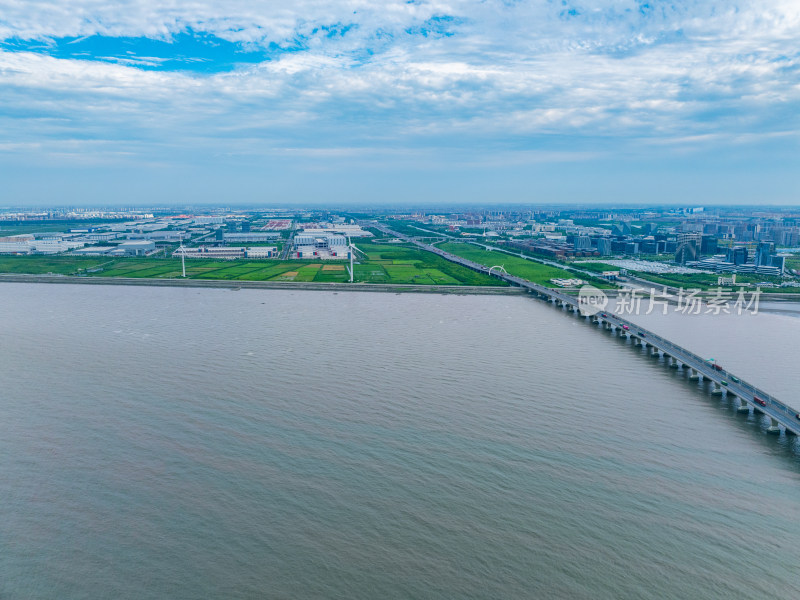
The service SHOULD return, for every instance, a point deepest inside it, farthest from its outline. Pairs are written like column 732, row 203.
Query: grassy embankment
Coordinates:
column 515, row 265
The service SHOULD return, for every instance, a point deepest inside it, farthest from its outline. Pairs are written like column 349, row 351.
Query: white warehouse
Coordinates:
column 320, row 245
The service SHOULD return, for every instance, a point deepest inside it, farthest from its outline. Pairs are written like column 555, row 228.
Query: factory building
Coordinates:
column 28, row 244
column 251, row 236
column 315, row 244
column 228, row 252
column 134, row 248
column 16, row 244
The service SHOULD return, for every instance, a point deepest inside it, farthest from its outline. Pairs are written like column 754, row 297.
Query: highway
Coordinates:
column 781, row 413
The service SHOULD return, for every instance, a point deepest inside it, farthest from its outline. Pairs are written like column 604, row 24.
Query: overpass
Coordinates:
column 722, row 382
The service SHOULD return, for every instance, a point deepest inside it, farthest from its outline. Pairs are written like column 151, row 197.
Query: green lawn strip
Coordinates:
column 265, row 271
column 440, row 278
column 307, row 272
column 37, row 265
column 530, row 270
column 127, row 269
column 328, row 276
column 595, row 267
column 144, row 273
column 408, row 274
column 370, row 273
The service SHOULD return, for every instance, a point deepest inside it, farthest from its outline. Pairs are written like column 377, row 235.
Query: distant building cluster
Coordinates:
column 739, row 259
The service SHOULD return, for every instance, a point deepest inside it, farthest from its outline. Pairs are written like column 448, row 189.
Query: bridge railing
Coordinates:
column 674, row 349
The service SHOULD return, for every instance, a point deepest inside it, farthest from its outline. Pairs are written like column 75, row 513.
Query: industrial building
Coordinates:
column 134, row 248
column 251, row 236
column 16, row 244
column 29, row 244
column 317, row 244
column 227, row 252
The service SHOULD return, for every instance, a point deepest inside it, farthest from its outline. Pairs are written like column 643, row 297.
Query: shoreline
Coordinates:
column 233, row 284
column 267, row 285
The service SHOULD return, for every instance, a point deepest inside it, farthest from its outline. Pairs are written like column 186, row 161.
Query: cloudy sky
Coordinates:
column 395, row 101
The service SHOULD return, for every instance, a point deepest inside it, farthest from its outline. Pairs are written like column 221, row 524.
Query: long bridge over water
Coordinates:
column 722, row 382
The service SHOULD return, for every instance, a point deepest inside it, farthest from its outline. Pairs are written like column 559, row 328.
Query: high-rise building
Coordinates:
column 737, row 255
column 604, row 246
column 763, row 254
column 708, row 244
column 583, row 243
column 779, row 262
column 688, row 247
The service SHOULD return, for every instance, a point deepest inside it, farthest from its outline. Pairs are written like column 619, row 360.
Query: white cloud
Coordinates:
column 510, row 73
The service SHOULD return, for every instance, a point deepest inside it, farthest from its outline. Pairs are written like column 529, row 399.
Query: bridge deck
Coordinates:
column 781, row 412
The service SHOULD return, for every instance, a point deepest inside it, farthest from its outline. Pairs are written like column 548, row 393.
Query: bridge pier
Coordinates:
column 716, row 390
column 743, row 407
column 774, row 426
column 673, row 364
column 694, row 375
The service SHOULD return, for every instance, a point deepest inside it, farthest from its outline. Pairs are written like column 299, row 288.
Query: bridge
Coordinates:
column 722, row 382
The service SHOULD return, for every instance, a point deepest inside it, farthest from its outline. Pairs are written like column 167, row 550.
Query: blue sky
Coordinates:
column 408, row 102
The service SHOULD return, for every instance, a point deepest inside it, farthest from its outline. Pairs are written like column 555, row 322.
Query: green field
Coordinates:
column 515, row 265
column 383, row 264
column 595, row 267
column 400, row 263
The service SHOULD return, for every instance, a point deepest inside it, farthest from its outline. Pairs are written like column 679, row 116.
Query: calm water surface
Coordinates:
column 184, row 443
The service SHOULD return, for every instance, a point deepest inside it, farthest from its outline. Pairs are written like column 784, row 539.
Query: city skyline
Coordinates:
column 410, row 103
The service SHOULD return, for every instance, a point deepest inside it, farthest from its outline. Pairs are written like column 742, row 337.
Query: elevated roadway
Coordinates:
column 781, row 414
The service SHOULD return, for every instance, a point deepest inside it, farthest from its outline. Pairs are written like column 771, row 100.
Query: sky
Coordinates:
column 399, row 102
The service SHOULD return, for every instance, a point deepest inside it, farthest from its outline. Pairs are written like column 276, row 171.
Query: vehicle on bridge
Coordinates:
column 641, row 334
column 725, row 383
column 758, row 400
column 735, row 379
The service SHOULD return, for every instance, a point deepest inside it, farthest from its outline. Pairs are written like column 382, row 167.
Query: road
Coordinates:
column 780, row 412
